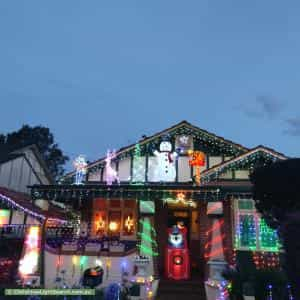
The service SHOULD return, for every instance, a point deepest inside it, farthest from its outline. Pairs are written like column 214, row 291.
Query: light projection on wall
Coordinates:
column 184, row 143
column 138, row 168
column 128, row 224
column 80, row 166
column 147, row 207
column 100, row 222
column 148, row 246
column 165, row 169
column 197, row 160
column 111, row 173
column 4, row 217
column 29, row 263
column 180, row 200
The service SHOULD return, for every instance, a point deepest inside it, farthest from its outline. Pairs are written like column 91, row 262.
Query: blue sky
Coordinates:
column 102, row 73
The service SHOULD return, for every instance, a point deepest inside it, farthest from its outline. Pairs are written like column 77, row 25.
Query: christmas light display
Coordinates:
column 147, row 236
column 197, row 160
column 80, row 165
column 223, row 291
column 147, row 207
column 214, row 144
column 246, row 161
column 129, row 224
column 111, row 173
column 246, row 235
column 165, row 169
column 177, row 254
column 268, row 237
column 214, row 241
column 113, row 226
column 29, row 263
column 138, row 168
column 10, row 202
column 270, row 292
column 184, row 143
column 74, row 263
column 223, row 286
column 180, row 199
column 252, row 232
column 290, row 294
column 4, row 217
column 266, row 260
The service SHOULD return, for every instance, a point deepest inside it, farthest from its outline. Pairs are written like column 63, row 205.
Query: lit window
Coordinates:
column 251, row 230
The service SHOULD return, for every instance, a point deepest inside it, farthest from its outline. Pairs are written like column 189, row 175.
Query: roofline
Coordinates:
column 148, row 139
column 39, row 157
column 251, row 151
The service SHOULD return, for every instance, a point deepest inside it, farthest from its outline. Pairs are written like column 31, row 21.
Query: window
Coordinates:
column 251, row 230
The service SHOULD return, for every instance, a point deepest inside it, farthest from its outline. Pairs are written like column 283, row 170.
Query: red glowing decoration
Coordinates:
column 177, row 254
column 197, row 160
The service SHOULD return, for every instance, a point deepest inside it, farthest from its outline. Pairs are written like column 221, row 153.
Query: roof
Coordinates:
column 23, row 201
column 38, row 156
column 182, row 124
column 5, row 157
column 223, row 166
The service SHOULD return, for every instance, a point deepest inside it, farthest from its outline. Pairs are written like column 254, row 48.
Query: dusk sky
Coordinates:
column 101, row 74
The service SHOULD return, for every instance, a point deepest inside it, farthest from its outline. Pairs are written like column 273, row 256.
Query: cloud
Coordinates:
column 293, row 126
column 270, row 106
column 264, row 107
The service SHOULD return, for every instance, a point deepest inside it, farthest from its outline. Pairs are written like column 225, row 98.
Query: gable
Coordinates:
column 243, row 164
column 214, row 146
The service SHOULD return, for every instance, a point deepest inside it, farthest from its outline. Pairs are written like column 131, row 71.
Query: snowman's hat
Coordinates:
column 165, row 138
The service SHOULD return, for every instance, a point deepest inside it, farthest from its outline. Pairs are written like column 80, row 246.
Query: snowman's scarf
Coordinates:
column 170, row 157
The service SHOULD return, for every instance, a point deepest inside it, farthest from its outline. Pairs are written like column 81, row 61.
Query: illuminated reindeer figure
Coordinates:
column 111, row 174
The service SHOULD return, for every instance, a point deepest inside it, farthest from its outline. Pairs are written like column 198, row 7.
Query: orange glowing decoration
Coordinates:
column 100, row 224
column 113, row 226
column 129, row 224
column 181, row 197
column 197, row 160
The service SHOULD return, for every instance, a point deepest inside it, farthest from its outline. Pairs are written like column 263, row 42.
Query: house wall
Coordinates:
column 184, row 170
column 17, row 174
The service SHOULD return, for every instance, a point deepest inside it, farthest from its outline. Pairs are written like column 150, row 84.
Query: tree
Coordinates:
column 277, row 197
column 43, row 139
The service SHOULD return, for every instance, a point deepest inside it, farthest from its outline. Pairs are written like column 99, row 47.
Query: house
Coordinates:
column 181, row 198
column 18, row 213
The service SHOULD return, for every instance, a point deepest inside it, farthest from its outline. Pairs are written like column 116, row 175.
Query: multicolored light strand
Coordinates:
column 29, row 262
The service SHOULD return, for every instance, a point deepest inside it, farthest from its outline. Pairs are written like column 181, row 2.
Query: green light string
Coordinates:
column 147, row 238
column 247, row 232
column 138, row 171
column 147, row 242
column 145, row 207
column 268, row 237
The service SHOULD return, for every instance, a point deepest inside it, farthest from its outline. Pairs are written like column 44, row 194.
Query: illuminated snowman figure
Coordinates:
column 165, row 158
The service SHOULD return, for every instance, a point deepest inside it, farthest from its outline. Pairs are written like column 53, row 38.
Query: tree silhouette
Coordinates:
column 43, row 139
column 277, row 197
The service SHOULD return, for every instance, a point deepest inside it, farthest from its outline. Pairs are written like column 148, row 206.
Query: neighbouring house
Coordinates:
column 18, row 212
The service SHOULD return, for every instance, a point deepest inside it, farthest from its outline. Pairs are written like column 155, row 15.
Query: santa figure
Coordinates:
column 165, row 162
